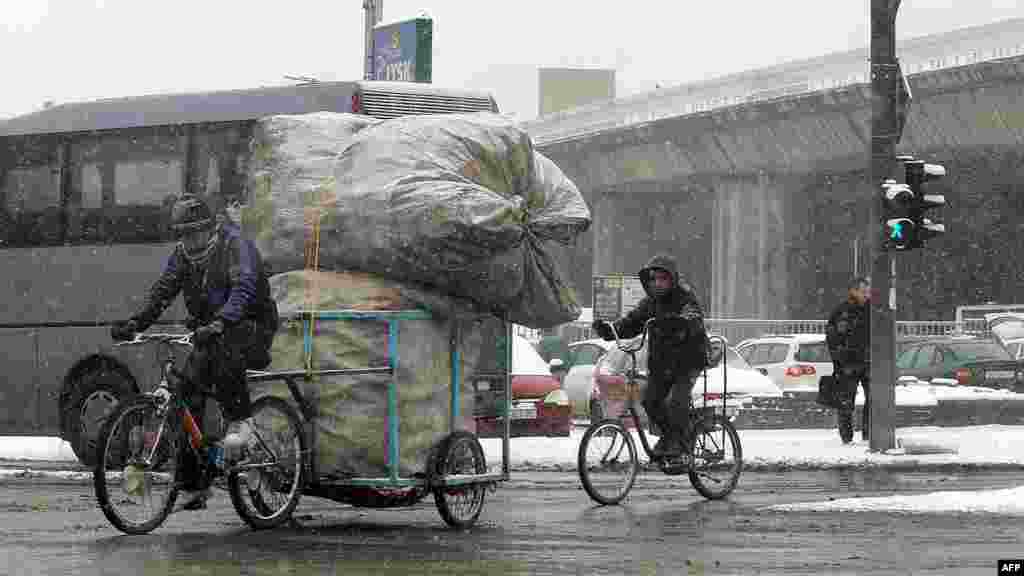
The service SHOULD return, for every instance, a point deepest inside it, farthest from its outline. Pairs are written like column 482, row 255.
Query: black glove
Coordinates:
column 602, row 329
column 206, row 333
column 192, row 323
column 125, row 330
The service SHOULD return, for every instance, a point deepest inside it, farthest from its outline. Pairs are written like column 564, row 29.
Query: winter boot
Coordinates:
column 239, row 434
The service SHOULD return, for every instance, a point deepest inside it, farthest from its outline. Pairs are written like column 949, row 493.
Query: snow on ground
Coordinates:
column 1008, row 502
column 35, row 448
column 26, row 473
column 821, row 448
column 976, row 445
column 929, row 395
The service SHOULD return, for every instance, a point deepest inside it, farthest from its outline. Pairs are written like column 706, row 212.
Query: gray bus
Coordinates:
column 83, row 232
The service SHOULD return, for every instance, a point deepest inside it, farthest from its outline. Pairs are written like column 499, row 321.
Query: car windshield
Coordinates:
column 984, row 350
column 814, row 352
column 1015, row 349
column 734, row 360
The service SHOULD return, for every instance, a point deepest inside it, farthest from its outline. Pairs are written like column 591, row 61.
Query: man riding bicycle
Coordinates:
column 227, row 295
column 676, row 351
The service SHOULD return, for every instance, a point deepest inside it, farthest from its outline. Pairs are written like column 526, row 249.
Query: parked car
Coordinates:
column 578, row 373
column 963, row 361
column 539, row 405
column 793, row 362
column 608, row 394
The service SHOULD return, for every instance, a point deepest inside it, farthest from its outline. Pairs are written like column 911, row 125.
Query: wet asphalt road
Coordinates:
column 541, row 523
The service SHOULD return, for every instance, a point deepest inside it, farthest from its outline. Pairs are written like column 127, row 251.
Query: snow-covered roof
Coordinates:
column 947, row 50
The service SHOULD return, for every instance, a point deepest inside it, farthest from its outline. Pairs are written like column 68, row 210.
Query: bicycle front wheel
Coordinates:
column 608, row 462
column 717, row 458
column 134, row 472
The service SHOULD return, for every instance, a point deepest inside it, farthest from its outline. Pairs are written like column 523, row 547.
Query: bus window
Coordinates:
column 219, row 163
column 121, row 185
column 30, row 187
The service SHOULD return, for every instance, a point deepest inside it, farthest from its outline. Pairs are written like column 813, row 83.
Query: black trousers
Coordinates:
column 847, row 380
column 219, row 364
column 673, row 416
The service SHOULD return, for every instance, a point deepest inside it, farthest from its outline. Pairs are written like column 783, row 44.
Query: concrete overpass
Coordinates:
column 765, row 201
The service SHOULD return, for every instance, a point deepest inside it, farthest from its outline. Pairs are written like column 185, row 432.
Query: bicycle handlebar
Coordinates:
column 141, row 338
column 630, row 349
column 643, row 333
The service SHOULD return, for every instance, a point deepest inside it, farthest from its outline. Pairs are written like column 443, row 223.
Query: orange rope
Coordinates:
column 313, row 284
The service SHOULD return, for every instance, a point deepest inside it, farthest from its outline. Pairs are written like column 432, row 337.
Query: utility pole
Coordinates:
column 374, row 14
column 886, row 128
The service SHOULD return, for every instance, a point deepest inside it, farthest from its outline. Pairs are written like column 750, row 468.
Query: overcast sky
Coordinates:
column 72, row 50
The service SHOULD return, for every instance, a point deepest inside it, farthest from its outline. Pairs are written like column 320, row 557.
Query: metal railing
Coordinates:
column 740, row 329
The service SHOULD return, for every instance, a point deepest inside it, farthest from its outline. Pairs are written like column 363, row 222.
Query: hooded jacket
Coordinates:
column 232, row 287
column 675, row 345
column 848, row 335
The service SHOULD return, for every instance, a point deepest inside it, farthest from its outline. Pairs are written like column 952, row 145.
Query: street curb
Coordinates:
column 70, row 472
column 910, row 466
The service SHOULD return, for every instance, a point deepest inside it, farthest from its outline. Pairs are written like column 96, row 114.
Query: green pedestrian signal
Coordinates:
column 900, row 230
column 897, row 231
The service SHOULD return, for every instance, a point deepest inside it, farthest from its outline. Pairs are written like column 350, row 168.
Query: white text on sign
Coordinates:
column 404, row 71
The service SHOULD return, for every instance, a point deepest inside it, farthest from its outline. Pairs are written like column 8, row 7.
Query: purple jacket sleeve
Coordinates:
column 243, row 279
column 163, row 292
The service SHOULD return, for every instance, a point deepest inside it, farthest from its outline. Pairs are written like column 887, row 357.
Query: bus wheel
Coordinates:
column 91, row 399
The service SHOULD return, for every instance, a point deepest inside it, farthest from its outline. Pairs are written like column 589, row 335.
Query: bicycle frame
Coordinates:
column 697, row 417
column 170, row 379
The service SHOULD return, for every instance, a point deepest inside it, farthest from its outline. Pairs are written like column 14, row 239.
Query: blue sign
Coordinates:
column 402, row 51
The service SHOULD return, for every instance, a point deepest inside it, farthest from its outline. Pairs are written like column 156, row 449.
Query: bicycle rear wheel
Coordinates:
column 133, row 476
column 608, row 462
column 266, row 486
column 717, row 458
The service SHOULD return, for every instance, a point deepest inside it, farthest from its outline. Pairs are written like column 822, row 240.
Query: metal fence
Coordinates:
column 736, row 330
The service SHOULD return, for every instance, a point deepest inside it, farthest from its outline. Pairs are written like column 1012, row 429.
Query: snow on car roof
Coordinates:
column 799, row 338
column 596, row 341
column 526, row 361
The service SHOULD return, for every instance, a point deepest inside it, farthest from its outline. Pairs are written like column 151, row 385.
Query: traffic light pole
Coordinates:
column 885, row 134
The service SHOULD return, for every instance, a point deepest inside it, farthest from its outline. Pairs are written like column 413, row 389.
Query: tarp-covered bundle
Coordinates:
column 292, row 163
column 461, row 203
column 351, row 424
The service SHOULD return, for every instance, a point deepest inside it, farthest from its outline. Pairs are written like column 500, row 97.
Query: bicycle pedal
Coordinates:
column 674, row 466
column 193, row 506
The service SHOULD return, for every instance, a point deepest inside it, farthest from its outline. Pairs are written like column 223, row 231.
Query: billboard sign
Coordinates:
column 402, row 51
column 615, row 295
column 566, row 88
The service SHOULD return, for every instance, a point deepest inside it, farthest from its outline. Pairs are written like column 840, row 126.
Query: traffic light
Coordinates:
column 900, row 229
column 906, row 227
column 917, row 173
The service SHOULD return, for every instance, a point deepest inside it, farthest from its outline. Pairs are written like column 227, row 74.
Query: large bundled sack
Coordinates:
column 351, row 422
column 292, row 160
column 460, row 202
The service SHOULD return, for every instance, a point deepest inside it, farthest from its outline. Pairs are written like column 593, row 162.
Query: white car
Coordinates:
column 795, row 362
column 578, row 376
column 740, row 382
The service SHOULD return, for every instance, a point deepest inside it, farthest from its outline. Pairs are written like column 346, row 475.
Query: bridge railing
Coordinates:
column 740, row 329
